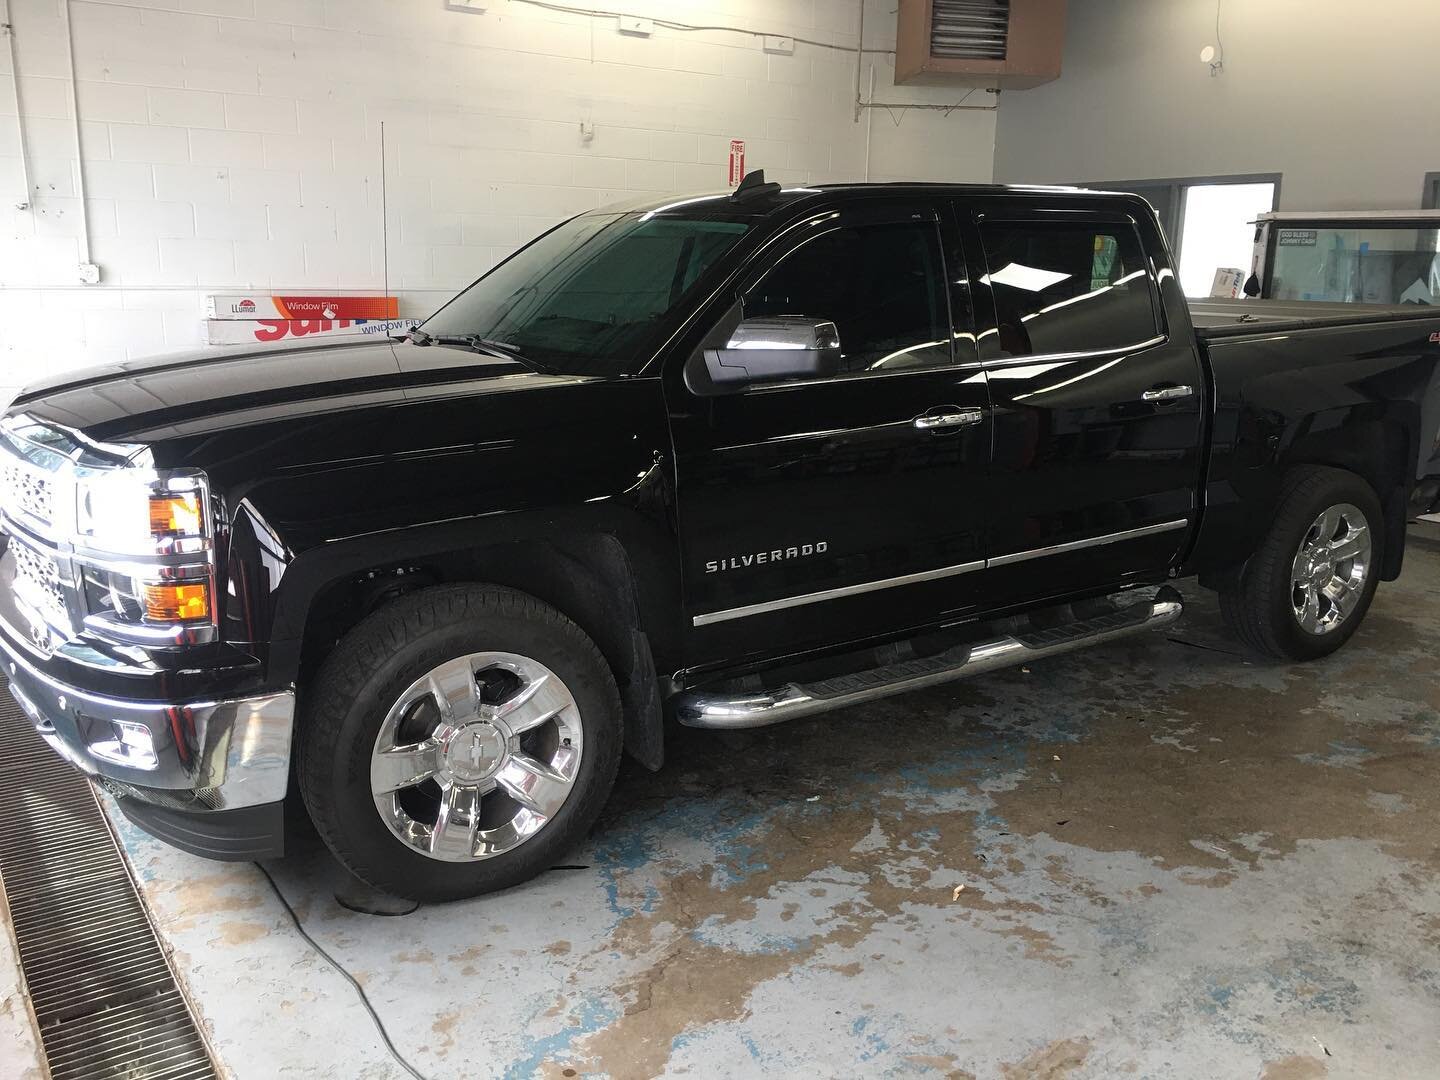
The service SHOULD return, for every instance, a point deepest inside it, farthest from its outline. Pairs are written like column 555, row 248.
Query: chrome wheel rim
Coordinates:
column 476, row 757
column 1328, row 575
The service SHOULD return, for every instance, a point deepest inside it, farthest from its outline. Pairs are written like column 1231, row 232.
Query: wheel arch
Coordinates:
column 617, row 595
column 1380, row 451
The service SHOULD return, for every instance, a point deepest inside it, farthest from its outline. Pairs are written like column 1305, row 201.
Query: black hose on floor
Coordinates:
column 364, row 1000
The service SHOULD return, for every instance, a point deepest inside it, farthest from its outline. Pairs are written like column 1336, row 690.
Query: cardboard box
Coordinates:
column 292, row 331
column 1229, row 283
column 254, row 306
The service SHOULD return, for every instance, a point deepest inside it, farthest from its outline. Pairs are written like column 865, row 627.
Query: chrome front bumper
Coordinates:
column 201, row 756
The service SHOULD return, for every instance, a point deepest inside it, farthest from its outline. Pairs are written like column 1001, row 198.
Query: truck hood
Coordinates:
column 192, row 393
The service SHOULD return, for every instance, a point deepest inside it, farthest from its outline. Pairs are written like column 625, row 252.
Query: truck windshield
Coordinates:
column 1365, row 263
column 591, row 296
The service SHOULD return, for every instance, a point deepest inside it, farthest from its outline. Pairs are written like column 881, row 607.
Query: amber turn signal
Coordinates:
column 175, row 514
column 177, row 603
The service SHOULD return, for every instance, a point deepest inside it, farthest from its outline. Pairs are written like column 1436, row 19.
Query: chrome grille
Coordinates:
column 29, row 492
column 37, row 581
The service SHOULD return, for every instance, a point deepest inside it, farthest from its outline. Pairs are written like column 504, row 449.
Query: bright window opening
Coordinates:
column 1218, row 231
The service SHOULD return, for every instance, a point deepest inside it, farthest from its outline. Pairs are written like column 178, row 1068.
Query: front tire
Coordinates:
column 1307, row 588
column 459, row 741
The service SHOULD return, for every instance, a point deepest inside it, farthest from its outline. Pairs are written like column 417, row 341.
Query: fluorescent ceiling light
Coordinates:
column 1029, row 278
column 682, row 202
column 1070, row 382
column 905, row 352
column 1027, row 371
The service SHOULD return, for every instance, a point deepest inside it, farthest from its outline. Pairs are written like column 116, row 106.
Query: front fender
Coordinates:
column 648, row 548
column 310, row 500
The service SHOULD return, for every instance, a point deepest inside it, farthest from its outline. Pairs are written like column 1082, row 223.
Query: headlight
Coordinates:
column 137, row 512
column 146, row 538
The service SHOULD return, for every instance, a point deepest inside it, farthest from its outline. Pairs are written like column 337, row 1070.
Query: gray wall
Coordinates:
column 1342, row 98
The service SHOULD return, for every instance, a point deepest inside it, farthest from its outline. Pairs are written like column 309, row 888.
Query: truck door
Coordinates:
column 829, row 509
column 1097, row 403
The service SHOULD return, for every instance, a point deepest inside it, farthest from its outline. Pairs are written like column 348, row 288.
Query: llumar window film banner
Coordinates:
column 243, row 306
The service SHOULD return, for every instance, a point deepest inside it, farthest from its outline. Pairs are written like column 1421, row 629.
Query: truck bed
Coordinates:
column 1256, row 350
column 1233, row 318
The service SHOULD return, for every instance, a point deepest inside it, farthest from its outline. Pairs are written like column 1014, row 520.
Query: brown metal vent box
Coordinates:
column 1006, row 44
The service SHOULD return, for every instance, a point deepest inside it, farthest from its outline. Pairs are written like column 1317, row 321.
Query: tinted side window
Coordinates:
column 883, row 286
column 1065, row 287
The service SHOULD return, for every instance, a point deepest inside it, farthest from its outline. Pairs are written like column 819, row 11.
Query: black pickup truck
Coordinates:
column 728, row 459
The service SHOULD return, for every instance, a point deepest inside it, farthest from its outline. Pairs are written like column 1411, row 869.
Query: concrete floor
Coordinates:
column 19, row 1053
column 1176, row 863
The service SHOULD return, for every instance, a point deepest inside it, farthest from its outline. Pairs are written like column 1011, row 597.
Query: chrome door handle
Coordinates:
column 941, row 421
column 1167, row 393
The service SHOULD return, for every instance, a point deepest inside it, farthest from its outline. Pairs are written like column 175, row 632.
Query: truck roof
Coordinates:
column 764, row 202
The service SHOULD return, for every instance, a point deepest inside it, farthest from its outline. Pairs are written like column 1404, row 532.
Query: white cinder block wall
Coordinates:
column 235, row 144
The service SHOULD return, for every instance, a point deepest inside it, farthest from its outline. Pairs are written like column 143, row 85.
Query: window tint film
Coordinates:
column 591, row 297
column 883, row 286
column 1065, row 287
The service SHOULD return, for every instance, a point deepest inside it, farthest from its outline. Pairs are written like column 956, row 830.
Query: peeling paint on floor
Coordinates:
column 1177, row 862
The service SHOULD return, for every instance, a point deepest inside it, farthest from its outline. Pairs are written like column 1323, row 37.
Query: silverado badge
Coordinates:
column 760, row 558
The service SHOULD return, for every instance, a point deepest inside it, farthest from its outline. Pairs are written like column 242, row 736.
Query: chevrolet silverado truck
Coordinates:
column 725, row 460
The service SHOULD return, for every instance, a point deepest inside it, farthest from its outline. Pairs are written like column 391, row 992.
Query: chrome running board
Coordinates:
column 702, row 709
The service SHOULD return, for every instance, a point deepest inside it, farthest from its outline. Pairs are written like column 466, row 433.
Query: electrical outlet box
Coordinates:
column 630, row 24
column 475, row 6
column 783, row 45
column 89, row 274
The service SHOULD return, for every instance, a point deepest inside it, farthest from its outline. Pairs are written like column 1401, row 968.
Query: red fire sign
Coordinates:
column 737, row 161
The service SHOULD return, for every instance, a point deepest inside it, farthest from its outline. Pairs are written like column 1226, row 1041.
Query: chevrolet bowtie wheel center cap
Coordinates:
column 474, row 752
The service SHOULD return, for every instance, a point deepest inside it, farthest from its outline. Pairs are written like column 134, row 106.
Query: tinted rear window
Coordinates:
column 1063, row 287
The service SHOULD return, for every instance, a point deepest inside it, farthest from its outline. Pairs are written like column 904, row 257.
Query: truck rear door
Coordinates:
column 1097, row 396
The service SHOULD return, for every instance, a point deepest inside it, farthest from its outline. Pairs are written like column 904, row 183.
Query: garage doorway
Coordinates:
column 1208, row 220
column 1218, row 230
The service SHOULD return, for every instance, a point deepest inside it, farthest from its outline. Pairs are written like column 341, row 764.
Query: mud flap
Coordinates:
column 640, row 704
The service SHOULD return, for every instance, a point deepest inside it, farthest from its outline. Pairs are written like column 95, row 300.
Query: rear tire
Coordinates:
column 459, row 740
column 1307, row 588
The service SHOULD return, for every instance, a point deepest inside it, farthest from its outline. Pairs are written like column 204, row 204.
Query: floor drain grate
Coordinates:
column 104, row 997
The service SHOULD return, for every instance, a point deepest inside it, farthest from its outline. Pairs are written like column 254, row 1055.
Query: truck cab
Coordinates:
column 1017, row 394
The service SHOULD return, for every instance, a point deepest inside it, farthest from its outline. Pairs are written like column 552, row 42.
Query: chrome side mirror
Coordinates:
column 775, row 347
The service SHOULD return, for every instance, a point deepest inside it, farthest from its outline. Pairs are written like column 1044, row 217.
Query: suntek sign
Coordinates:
column 264, row 331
